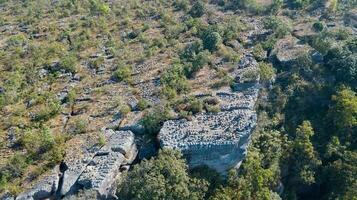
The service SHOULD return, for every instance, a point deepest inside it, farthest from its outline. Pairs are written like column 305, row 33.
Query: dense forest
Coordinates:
column 305, row 143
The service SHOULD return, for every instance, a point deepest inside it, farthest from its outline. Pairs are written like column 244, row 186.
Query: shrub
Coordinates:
column 212, row 40
column 259, row 52
column 79, row 126
column 123, row 73
column 182, row 5
column 153, row 119
column 250, row 76
column 318, row 26
column 97, row 7
column 143, row 104
column 175, row 79
column 37, row 142
column 198, row 9
column 267, row 72
column 68, row 63
column 51, row 108
column 16, row 40
column 279, row 27
column 125, row 109
column 195, row 106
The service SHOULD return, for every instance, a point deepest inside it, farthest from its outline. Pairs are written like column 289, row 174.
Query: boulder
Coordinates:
column 289, row 49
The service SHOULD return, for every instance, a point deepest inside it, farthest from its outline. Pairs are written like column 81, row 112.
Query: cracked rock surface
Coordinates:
column 218, row 140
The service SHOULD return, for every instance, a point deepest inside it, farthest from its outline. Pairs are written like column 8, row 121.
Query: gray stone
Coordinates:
column 7, row 196
column 101, row 174
column 46, row 188
column 288, row 50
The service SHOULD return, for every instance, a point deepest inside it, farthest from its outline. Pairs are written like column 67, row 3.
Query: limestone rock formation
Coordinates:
column 97, row 171
column 218, row 140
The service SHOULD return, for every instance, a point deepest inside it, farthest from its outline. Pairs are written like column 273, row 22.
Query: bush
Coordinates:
column 68, row 63
column 153, row 119
column 97, row 7
column 279, row 27
column 182, row 5
column 79, row 126
column 267, row 72
column 16, row 40
column 318, row 26
column 195, row 106
column 125, row 109
column 198, row 9
column 175, row 79
column 96, row 63
column 123, row 73
column 212, row 40
column 143, row 104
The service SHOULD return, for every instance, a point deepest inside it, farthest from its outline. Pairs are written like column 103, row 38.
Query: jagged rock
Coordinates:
column 133, row 123
column 102, row 171
column 98, row 170
column 46, row 188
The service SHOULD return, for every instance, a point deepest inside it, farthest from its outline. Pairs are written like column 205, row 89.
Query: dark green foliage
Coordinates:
column 318, row 26
column 299, row 4
column 304, row 158
column 211, row 40
column 163, row 177
column 198, row 9
column 343, row 63
column 253, row 182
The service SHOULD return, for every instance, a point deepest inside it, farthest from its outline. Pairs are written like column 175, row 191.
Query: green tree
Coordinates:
column 198, row 9
column 305, row 160
column 344, row 115
column 252, row 182
column 212, row 40
column 163, row 177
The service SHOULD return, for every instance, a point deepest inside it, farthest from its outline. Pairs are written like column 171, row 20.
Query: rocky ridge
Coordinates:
column 98, row 170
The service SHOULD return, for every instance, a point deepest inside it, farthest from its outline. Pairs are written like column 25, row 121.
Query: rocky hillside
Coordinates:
column 91, row 88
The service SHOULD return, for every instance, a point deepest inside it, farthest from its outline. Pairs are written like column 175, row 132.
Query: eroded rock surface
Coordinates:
column 218, row 140
column 98, row 170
